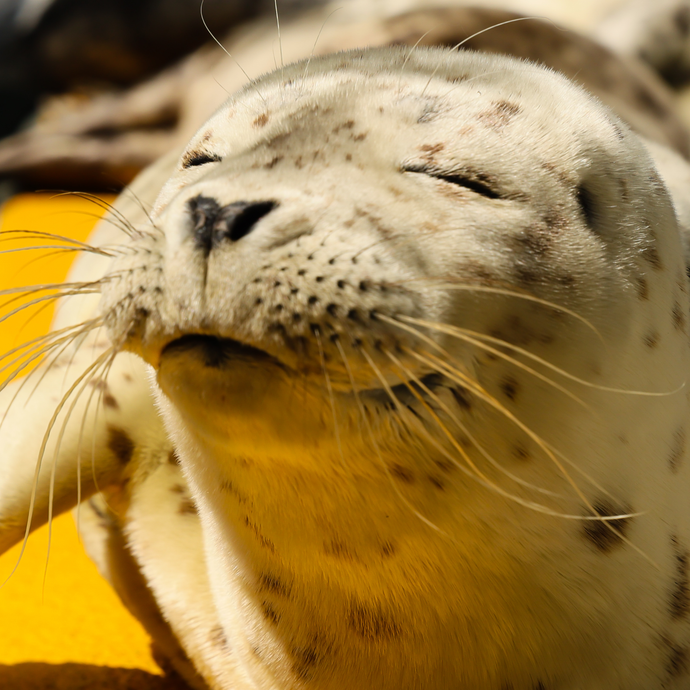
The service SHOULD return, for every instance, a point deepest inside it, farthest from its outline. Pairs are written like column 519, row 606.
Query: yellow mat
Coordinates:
column 61, row 626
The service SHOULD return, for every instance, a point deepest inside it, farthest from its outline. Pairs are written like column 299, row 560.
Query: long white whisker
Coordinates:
column 39, row 462
column 410, row 376
column 488, row 348
column 224, row 49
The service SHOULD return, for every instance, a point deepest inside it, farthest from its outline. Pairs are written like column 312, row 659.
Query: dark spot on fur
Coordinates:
column 270, row 613
column 304, row 659
column 527, row 275
column 387, row 549
column 680, row 597
column 402, row 473
column 217, row 637
column 178, row 488
column 261, row 121
column 438, row 483
column 430, row 150
column 109, row 401
column 273, row 162
column 651, row 340
column 509, row 388
column 606, row 535
column 273, row 584
column 677, row 663
column 339, row 549
column 651, row 256
column 173, row 457
column 372, row 624
column 120, row 444
column 499, row 115
column 532, row 242
column 642, row 289
column 677, row 449
column 264, row 542
column 678, row 317
column 521, row 453
column 187, row 507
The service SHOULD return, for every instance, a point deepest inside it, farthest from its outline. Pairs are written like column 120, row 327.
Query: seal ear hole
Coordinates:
column 588, row 207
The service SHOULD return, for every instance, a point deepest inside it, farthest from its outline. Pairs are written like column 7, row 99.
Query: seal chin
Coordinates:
column 232, row 376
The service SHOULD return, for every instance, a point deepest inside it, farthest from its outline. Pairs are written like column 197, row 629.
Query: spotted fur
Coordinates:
column 414, row 330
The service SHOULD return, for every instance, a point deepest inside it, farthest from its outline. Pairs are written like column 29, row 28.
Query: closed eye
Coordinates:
column 195, row 158
column 469, row 179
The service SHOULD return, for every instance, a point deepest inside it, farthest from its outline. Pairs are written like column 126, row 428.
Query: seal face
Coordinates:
column 417, row 323
column 418, row 327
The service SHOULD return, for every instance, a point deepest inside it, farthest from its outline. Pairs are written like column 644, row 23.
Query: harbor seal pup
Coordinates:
column 415, row 327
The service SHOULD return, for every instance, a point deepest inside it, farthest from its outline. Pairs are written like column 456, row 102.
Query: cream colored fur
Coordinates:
column 471, row 300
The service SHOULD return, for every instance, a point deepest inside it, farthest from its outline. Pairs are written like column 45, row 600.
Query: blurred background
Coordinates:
column 50, row 47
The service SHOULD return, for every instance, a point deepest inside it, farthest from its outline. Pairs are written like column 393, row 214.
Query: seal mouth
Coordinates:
column 217, row 352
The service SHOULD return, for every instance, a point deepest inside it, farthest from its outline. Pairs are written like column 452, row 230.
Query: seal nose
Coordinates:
column 212, row 223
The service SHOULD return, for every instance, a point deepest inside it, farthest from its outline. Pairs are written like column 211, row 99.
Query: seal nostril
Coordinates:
column 239, row 219
column 212, row 223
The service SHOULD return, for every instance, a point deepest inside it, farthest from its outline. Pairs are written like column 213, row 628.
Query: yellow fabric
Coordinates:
column 66, row 613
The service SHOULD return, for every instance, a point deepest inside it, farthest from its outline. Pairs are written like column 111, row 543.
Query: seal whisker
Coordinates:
column 56, row 452
column 47, row 286
column 476, row 472
column 128, row 191
column 462, row 378
column 450, row 330
column 550, row 454
column 379, row 456
column 318, row 36
column 450, row 285
column 348, row 369
column 99, row 402
column 410, row 376
column 32, row 502
column 407, row 59
column 280, row 39
column 43, row 338
column 42, row 347
column 17, row 235
column 472, row 472
column 40, row 300
column 224, row 49
column 528, row 504
column 60, row 346
column 474, row 337
column 101, row 203
column 474, row 35
column 329, row 388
